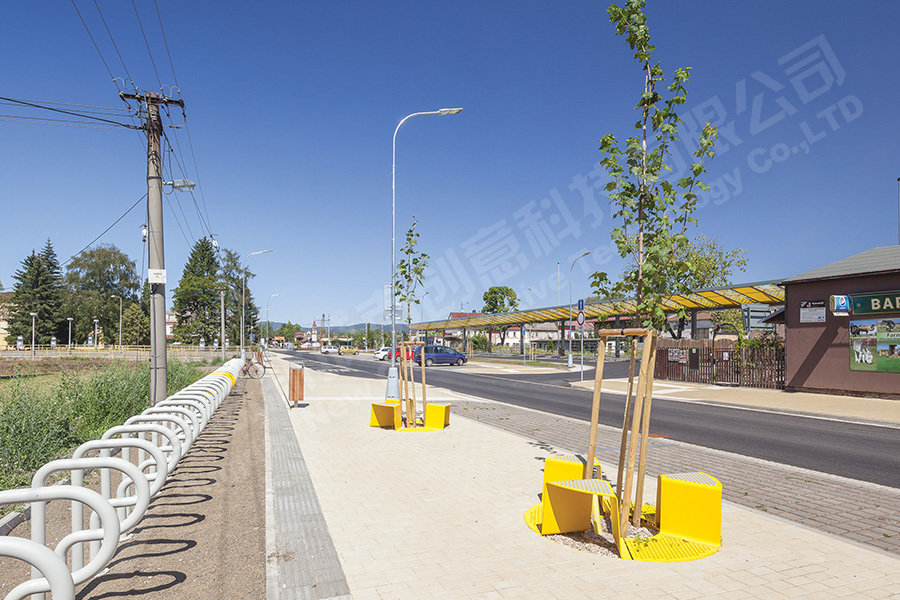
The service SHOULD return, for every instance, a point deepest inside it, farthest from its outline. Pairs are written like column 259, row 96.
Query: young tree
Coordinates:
column 655, row 213
column 91, row 278
column 196, row 299
column 710, row 266
column 500, row 299
column 410, row 271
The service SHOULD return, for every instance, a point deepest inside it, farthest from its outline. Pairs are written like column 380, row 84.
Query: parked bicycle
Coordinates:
column 254, row 368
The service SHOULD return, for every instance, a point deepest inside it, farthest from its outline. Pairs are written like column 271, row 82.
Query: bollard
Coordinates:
column 296, row 385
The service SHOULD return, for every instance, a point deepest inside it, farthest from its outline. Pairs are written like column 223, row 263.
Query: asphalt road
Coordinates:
column 849, row 449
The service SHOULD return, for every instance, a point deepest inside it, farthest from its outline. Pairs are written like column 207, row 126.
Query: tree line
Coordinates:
column 98, row 280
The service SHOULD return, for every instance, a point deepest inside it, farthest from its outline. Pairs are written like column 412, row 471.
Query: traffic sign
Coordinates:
column 580, row 305
column 580, row 318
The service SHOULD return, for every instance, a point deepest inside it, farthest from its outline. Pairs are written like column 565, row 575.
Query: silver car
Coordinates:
column 383, row 353
column 329, row 350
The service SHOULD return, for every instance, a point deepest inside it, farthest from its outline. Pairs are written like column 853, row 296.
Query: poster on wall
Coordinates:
column 875, row 345
column 812, row 311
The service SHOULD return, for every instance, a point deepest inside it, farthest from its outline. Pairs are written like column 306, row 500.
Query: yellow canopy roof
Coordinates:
column 733, row 296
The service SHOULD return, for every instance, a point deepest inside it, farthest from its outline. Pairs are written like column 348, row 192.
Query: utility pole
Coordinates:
column 157, row 261
column 222, row 323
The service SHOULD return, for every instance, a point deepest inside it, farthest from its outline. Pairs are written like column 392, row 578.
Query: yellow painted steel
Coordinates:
column 437, row 415
column 562, row 467
column 567, row 504
column 385, row 415
column 689, row 505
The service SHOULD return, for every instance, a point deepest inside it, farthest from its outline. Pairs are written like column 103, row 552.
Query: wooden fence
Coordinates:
column 696, row 361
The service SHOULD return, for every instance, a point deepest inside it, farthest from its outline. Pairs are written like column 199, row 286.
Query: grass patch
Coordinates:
column 44, row 417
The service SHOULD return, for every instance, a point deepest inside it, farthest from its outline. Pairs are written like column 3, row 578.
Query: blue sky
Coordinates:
column 291, row 107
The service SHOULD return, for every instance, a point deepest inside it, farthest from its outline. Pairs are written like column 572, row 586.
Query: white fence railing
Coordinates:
column 160, row 436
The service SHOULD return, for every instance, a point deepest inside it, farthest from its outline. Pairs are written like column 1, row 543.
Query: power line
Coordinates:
column 47, row 121
column 97, row 48
column 165, row 41
column 105, row 231
column 68, row 112
column 146, row 43
column 109, row 33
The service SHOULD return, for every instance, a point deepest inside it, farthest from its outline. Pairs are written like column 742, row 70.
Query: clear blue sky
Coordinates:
column 291, row 107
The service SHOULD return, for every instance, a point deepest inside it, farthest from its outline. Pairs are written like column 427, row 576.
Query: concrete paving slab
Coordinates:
column 441, row 515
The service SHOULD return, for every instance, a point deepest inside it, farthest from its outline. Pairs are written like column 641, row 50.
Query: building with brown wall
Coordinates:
column 820, row 354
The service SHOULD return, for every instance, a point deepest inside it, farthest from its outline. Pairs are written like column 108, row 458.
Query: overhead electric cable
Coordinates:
column 109, row 33
column 68, row 112
column 166, row 42
column 105, row 231
column 97, row 48
column 146, row 43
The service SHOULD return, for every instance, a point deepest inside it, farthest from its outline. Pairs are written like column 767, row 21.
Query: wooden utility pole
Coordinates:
column 157, row 261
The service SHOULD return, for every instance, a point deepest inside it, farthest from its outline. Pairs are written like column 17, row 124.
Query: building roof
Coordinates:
column 877, row 261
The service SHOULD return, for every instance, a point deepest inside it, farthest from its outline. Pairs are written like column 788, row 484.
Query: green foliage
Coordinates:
column 500, row 299
column 38, row 289
column 196, row 300
column 38, row 424
column 654, row 211
column 479, row 341
column 92, row 277
column 410, row 271
column 231, row 276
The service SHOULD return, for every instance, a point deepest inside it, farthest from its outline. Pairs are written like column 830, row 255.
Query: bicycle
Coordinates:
column 253, row 369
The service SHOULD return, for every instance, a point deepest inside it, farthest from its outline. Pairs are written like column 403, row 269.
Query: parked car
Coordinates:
column 329, row 350
column 442, row 355
column 383, row 353
column 409, row 354
column 347, row 350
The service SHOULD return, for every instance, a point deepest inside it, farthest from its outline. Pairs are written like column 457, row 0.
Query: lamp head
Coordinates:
column 450, row 111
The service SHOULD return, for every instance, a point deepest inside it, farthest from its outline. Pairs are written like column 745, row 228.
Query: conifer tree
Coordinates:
column 196, row 299
column 38, row 289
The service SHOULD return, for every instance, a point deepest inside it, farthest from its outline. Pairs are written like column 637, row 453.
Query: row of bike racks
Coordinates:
column 160, row 436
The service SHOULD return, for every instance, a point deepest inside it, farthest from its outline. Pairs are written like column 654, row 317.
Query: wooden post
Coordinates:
column 645, row 425
column 424, row 401
column 296, row 386
column 632, row 442
column 595, row 417
column 625, row 421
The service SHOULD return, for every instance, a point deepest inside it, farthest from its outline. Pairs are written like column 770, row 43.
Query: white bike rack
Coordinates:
column 172, row 426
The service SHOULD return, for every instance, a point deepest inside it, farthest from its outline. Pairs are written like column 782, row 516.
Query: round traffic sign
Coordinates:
column 580, row 318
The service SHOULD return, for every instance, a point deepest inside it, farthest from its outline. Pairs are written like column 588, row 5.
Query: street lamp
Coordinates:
column 393, row 383
column 69, row 319
column 33, row 316
column 95, row 332
column 244, row 287
column 267, row 316
column 119, row 298
column 570, row 302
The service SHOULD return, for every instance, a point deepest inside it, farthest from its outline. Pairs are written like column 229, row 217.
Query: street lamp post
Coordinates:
column 267, row 316
column 243, row 288
column 95, row 332
column 119, row 298
column 393, row 382
column 69, row 319
column 570, row 303
column 33, row 317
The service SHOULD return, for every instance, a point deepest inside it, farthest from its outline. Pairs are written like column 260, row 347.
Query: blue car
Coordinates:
column 440, row 355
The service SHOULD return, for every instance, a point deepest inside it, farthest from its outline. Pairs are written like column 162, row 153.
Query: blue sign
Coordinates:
column 840, row 304
column 580, row 304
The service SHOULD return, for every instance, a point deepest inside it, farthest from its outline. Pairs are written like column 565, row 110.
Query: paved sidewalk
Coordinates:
column 440, row 515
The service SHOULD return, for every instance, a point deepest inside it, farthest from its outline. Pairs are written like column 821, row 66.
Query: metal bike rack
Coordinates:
column 172, row 427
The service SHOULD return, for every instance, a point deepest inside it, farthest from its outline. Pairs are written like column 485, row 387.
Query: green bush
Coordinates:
column 40, row 423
